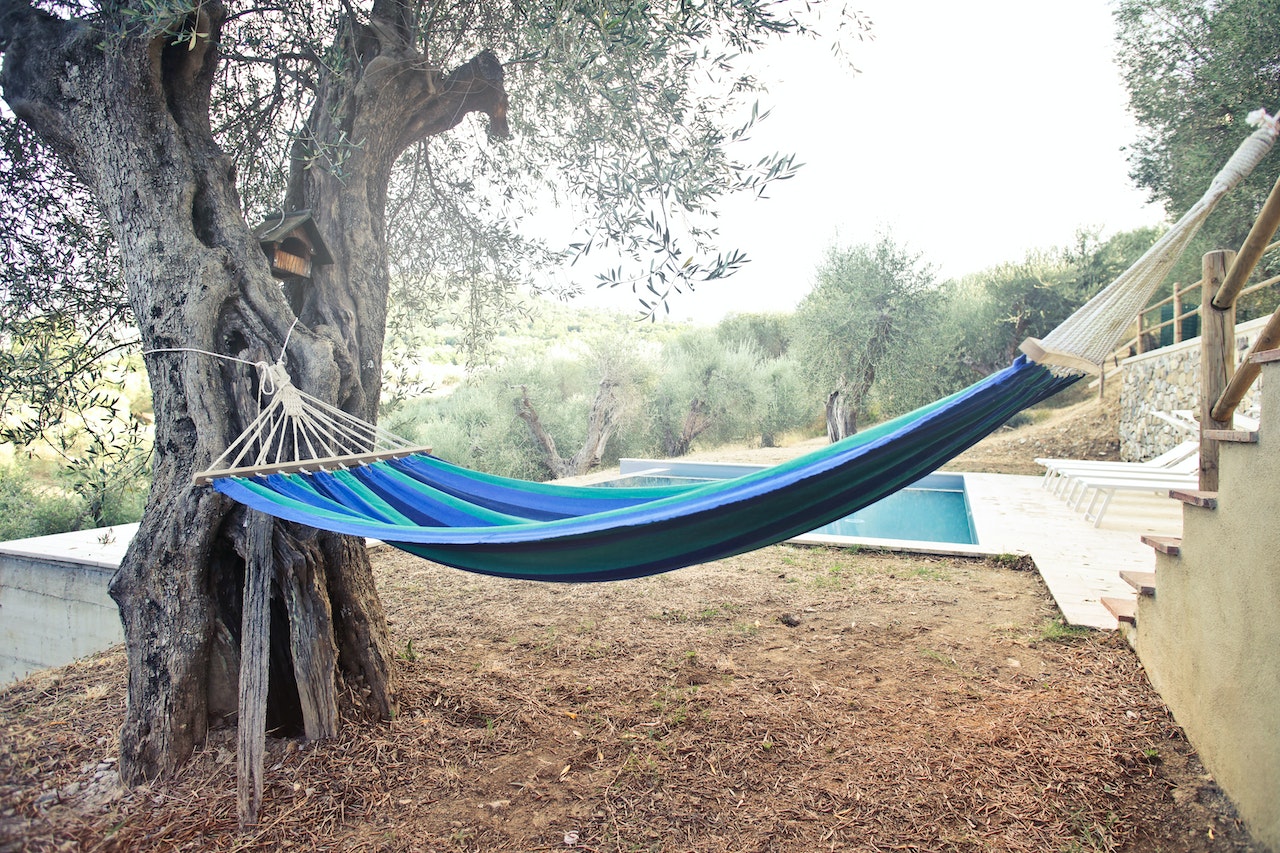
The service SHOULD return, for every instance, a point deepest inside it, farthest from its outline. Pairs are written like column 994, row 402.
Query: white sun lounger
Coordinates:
column 1080, row 483
column 1068, row 483
column 1059, row 471
column 1105, row 488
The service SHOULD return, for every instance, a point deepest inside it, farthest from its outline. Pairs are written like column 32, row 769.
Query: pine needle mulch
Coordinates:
column 793, row 700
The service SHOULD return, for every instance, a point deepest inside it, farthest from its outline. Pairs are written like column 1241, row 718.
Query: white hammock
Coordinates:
column 1085, row 339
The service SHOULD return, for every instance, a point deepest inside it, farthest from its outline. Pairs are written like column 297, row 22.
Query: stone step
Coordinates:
column 1124, row 609
column 1239, row 436
column 1195, row 497
column 1170, row 545
column 1143, row 582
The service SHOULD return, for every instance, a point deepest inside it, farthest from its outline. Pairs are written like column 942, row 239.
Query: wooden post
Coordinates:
column 1217, row 359
column 1177, row 313
column 255, row 644
column 1268, row 339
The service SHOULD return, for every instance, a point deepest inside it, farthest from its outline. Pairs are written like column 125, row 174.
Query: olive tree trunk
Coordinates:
column 842, row 416
column 128, row 112
column 601, row 422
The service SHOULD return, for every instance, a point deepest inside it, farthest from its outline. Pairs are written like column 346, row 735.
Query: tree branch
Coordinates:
column 477, row 86
column 31, row 40
column 527, row 413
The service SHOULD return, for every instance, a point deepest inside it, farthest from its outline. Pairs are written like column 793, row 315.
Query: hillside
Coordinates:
column 1088, row 429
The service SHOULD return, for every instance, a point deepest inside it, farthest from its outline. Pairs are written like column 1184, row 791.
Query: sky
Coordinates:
column 973, row 132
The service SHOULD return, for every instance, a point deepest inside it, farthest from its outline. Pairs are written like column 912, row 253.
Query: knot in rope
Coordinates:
column 1260, row 118
column 275, row 382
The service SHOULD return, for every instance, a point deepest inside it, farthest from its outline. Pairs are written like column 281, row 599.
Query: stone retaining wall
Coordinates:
column 1165, row 380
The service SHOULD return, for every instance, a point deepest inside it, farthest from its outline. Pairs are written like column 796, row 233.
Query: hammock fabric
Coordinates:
column 493, row 525
column 514, row 529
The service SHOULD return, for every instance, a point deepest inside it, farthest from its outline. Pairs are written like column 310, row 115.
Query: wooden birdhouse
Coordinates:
column 292, row 244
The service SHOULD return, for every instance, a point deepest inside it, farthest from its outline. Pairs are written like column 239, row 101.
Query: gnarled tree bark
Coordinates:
column 842, row 418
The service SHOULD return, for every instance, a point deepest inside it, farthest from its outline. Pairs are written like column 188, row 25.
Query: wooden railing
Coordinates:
column 1223, row 297
column 1222, row 384
column 1185, row 321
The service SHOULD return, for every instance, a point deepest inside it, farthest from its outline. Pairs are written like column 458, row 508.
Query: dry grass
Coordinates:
column 794, row 699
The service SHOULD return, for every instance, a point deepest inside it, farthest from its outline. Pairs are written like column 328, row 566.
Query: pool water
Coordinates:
column 916, row 513
column 933, row 509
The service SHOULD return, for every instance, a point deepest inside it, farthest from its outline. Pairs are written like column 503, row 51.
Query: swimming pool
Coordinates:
column 934, row 509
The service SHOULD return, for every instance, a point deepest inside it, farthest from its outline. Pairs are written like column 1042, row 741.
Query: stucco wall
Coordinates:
column 1208, row 638
column 1166, row 380
column 54, row 613
column 54, row 606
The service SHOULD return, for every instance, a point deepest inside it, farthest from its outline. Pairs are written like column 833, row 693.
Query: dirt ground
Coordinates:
column 794, row 699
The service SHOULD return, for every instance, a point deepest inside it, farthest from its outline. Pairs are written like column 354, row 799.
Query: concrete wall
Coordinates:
column 1164, row 380
column 54, row 606
column 1210, row 637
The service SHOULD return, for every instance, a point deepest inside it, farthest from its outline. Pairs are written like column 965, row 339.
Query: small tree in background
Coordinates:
column 988, row 314
column 770, row 333
column 706, row 392
column 782, row 406
column 999, row 308
column 474, row 426
column 870, row 304
column 573, row 406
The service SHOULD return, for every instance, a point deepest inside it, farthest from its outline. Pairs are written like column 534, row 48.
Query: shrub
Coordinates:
column 27, row 509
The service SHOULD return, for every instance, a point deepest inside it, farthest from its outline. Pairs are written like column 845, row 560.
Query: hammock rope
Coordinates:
column 307, row 461
column 298, row 430
column 1087, row 337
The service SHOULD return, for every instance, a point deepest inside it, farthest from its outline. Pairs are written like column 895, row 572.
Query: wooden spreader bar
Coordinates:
column 204, row 478
column 1034, row 349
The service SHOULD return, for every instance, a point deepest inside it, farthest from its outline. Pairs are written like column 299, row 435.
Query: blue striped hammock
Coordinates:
column 549, row 532
column 543, row 531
